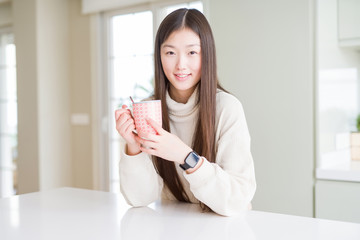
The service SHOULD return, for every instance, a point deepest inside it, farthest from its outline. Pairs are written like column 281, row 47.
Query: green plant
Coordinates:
column 358, row 123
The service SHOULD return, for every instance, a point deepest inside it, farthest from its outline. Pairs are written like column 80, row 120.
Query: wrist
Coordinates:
column 191, row 160
column 132, row 149
column 185, row 153
column 197, row 166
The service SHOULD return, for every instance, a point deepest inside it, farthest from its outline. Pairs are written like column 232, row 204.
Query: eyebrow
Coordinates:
column 189, row 45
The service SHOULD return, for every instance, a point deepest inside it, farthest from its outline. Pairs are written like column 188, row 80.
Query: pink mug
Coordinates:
column 147, row 109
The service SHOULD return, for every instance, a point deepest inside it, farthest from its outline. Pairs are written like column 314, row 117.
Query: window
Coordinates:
column 8, row 115
column 338, row 109
column 129, row 68
column 131, row 72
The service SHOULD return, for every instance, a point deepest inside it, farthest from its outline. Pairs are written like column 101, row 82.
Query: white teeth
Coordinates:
column 184, row 75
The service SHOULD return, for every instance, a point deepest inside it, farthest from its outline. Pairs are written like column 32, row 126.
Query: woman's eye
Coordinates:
column 193, row 53
column 170, row 53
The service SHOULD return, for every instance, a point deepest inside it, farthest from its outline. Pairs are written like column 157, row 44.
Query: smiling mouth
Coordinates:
column 182, row 76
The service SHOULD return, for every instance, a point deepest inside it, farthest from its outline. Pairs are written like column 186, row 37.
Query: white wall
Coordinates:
column 53, row 93
column 265, row 58
column 80, row 88
column 330, row 55
column 5, row 14
column 44, row 143
column 53, row 70
column 24, row 26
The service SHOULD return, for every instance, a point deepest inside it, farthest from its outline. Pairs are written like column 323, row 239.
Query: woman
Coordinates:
column 201, row 153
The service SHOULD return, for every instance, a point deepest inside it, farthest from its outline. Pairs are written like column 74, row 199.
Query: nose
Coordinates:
column 181, row 62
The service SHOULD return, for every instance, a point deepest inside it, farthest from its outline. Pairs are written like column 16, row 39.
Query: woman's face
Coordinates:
column 181, row 61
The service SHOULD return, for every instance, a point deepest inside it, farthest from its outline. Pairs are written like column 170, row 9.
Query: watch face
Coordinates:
column 192, row 160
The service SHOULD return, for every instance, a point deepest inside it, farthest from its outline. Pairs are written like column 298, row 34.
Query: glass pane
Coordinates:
column 8, row 151
column 10, row 82
column 132, row 34
column 115, row 155
column 197, row 5
column 116, row 146
column 338, row 108
column 172, row 8
column 132, row 75
column 8, row 123
column 7, row 82
column 113, row 134
column 3, row 83
column 6, row 183
column 8, row 156
column 10, row 53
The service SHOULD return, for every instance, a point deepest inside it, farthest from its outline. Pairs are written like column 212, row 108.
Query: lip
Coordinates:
column 182, row 76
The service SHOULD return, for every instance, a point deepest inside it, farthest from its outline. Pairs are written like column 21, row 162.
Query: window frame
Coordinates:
column 7, row 30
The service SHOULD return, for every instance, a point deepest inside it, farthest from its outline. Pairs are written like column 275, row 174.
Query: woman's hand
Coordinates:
column 125, row 125
column 165, row 145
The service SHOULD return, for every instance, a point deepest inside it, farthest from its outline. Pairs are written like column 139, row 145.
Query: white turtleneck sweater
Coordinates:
column 227, row 186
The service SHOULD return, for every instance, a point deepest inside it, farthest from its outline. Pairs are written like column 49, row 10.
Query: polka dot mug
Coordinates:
column 146, row 109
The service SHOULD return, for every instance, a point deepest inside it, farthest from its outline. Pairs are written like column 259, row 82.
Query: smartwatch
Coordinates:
column 190, row 161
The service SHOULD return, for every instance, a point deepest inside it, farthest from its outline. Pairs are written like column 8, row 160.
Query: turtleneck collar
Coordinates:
column 182, row 109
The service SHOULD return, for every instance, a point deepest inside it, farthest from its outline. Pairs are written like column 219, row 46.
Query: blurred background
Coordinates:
column 66, row 65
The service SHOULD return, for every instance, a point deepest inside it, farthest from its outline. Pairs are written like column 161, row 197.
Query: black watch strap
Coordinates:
column 190, row 161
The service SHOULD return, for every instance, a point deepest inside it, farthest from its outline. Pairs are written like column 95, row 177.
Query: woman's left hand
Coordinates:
column 165, row 145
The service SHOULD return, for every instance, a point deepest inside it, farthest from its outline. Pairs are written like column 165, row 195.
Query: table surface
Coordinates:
column 69, row 213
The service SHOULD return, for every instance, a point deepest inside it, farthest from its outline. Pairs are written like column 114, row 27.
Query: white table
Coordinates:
column 69, row 213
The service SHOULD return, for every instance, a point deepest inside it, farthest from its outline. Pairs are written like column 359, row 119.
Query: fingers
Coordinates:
column 129, row 126
column 155, row 125
column 149, row 136
column 147, row 146
column 126, row 127
column 125, row 124
column 121, row 120
column 146, row 143
column 150, row 151
column 119, row 112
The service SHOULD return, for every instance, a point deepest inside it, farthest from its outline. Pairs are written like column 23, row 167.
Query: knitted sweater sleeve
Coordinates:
column 228, row 185
column 139, row 182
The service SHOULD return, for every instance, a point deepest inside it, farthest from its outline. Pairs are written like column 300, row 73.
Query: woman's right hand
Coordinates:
column 125, row 125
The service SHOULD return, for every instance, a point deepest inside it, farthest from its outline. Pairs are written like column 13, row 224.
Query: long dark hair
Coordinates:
column 204, row 136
